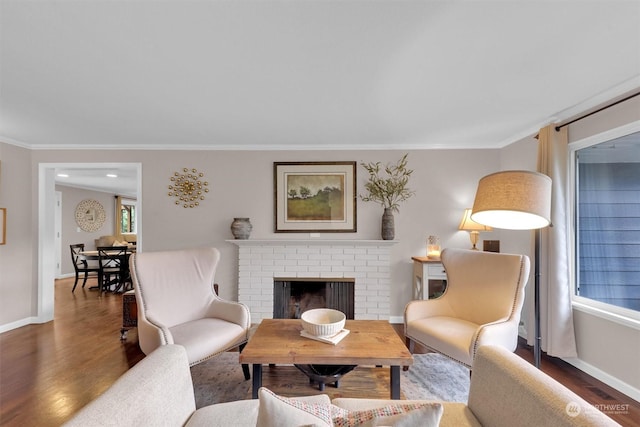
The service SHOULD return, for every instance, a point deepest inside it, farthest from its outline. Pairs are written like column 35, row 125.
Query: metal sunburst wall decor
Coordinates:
column 188, row 188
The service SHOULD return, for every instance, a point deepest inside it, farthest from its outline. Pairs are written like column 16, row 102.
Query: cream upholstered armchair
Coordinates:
column 177, row 304
column 481, row 305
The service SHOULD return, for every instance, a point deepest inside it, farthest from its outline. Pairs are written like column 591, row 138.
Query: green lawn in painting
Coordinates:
column 324, row 206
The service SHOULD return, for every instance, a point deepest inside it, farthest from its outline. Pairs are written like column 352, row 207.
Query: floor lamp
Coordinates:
column 517, row 200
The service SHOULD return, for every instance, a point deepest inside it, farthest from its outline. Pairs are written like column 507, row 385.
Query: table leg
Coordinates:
column 257, row 379
column 395, row 382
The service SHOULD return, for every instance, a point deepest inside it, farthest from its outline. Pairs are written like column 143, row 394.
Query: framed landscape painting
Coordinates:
column 315, row 197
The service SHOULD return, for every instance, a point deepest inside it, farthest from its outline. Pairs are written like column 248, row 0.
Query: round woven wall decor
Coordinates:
column 90, row 215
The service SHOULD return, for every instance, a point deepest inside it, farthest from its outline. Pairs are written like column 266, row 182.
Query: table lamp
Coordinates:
column 474, row 229
column 517, row 200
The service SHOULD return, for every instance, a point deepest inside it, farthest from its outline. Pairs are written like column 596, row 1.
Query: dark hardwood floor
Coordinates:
column 49, row 371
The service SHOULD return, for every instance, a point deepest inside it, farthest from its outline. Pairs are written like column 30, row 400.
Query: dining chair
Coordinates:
column 114, row 267
column 81, row 266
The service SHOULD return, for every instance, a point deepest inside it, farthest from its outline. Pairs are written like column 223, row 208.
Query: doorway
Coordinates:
column 47, row 226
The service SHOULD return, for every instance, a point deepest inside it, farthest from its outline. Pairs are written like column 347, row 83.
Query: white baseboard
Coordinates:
column 606, row 378
column 599, row 374
column 396, row 319
column 18, row 324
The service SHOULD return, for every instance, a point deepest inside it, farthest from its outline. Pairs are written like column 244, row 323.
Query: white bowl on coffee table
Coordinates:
column 323, row 322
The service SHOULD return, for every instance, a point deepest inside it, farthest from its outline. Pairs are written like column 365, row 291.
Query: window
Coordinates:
column 127, row 217
column 607, row 223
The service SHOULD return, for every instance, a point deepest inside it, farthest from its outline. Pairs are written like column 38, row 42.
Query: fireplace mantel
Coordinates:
column 314, row 242
column 366, row 261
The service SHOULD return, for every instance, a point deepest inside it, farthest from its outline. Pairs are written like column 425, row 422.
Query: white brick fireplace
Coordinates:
column 365, row 261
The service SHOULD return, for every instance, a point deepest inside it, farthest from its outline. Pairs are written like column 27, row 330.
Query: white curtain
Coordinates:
column 556, row 316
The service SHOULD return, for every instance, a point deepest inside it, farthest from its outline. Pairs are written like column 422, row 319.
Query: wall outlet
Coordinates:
column 491, row 245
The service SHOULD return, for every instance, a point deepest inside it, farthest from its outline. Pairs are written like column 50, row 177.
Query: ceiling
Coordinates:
column 118, row 178
column 284, row 74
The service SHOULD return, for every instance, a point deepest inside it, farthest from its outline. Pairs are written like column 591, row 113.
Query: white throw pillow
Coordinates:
column 278, row 411
column 396, row 415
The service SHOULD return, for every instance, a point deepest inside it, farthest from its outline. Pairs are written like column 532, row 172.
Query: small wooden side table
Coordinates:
column 429, row 277
column 129, row 313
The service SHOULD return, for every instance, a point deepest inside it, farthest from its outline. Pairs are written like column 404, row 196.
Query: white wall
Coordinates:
column 18, row 266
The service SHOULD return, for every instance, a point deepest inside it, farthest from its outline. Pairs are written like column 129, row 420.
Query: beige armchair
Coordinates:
column 177, row 304
column 481, row 305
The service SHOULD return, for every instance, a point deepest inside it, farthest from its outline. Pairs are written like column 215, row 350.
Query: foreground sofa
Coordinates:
column 505, row 391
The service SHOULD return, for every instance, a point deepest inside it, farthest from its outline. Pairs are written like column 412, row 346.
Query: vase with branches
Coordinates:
column 388, row 186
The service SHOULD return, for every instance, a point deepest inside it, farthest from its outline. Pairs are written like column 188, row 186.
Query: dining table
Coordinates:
column 93, row 255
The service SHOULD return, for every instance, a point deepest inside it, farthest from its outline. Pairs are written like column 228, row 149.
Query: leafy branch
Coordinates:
column 391, row 189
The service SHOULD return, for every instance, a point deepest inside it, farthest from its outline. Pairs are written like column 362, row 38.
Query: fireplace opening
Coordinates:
column 292, row 297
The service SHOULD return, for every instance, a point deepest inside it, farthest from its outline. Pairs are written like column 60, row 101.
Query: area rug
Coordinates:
column 436, row 377
column 431, row 377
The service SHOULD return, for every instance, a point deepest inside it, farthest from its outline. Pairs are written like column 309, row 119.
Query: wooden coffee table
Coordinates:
column 370, row 342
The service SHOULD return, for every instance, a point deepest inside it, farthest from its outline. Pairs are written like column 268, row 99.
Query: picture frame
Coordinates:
column 3, row 226
column 315, row 197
